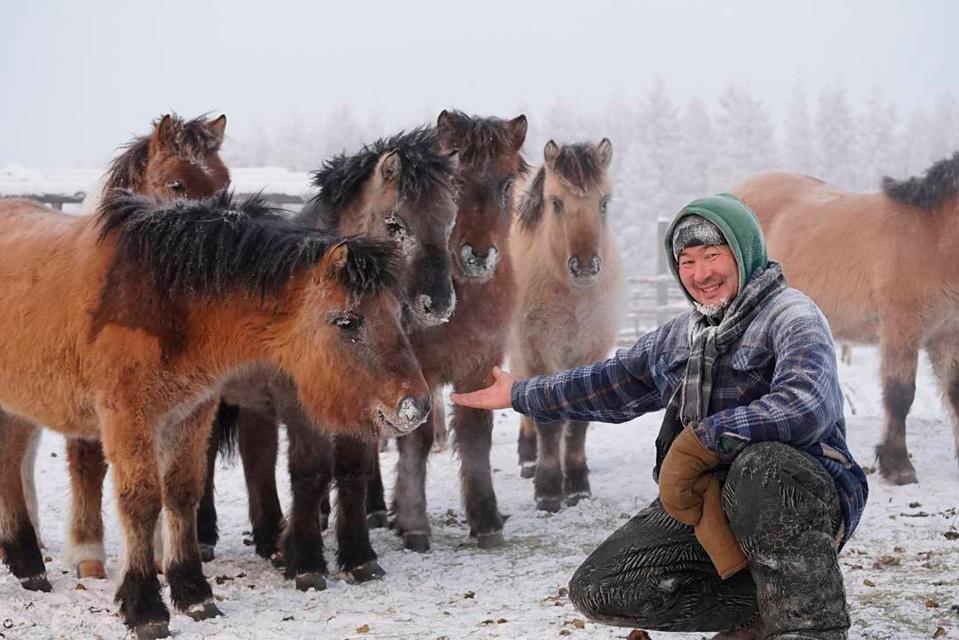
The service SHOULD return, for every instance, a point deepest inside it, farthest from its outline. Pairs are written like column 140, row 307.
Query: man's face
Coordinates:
column 709, row 274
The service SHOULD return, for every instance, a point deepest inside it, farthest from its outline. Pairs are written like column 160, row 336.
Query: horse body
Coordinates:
column 881, row 268
column 570, row 303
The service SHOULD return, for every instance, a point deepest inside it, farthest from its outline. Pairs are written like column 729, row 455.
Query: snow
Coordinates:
column 900, row 569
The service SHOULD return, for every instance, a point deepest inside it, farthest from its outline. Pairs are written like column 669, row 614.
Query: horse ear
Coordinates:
column 517, row 129
column 389, row 166
column 445, row 130
column 335, row 260
column 550, row 153
column 218, row 128
column 454, row 159
column 162, row 133
column 605, row 151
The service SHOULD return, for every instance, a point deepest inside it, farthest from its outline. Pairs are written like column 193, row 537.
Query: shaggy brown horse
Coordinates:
column 464, row 351
column 569, row 278
column 882, row 267
column 178, row 159
column 121, row 327
column 399, row 189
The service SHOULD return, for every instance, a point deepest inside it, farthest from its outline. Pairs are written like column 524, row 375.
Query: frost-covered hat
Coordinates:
column 693, row 231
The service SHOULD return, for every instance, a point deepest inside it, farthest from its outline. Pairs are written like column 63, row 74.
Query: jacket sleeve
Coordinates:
column 614, row 390
column 804, row 401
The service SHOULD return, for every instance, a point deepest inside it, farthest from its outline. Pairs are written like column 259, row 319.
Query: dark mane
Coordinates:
column 193, row 137
column 207, row 247
column 482, row 141
column 423, row 169
column 578, row 165
column 939, row 184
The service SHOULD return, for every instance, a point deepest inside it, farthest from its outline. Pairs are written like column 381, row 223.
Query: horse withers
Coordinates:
column 881, row 266
column 569, row 278
column 136, row 317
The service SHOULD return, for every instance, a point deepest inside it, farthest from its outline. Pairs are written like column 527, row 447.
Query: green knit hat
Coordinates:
column 739, row 227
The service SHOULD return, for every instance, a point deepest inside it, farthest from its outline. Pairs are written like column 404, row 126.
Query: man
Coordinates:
column 752, row 464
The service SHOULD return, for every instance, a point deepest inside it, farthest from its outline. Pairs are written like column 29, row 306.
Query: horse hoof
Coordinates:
column 899, row 476
column 91, row 569
column 367, row 571
column 277, row 560
column 552, row 505
column 37, row 583
column 527, row 470
column 207, row 552
column 573, row 499
column 152, row 630
column 417, row 541
column 312, row 580
column 378, row 520
column 203, row 611
column 490, row 540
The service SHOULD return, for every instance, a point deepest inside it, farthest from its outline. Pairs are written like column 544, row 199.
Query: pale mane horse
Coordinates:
column 883, row 268
column 569, row 278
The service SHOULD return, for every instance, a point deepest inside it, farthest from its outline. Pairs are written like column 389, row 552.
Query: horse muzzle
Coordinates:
column 584, row 276
column 409, row 414
column 477, row 266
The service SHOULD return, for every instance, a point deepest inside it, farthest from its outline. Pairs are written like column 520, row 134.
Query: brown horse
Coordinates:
column 881, row 266
column 400, row 189
column 569, row 278
column 178, row 159
column 463, row 351
column 121, row 327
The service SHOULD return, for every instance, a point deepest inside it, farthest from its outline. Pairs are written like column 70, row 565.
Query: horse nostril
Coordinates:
column 597, row 264
column 413, row 411
column 426, row 303
column 574, row 265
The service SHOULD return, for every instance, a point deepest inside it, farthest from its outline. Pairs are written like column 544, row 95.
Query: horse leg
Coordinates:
column 208, row 533
column 352, row 468
column 548, row 481
column 944, row 355
column 258, row 441
column 409, row 496
column 184, row 455
column 575, row 470
column 87, row 468
column 473, row 436
column 898, row 373
column 18, row 538
column 440, row 432
column 526, row 446
column 130, row 449
column 311, row 467
column 377, row 516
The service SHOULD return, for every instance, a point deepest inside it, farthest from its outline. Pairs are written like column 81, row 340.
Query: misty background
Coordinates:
column 694, row 95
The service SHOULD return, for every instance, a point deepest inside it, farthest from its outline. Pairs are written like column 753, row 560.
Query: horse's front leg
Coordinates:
column 575, row 469
column 87, row 468
column 258, row 442
column 409, row 493
column 473, row 433
column 183, row 454
column 18, row 538
column 900, row 357
column 352, row 470
column 377, row 516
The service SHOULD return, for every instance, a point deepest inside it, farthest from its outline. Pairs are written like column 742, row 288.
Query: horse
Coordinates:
column 121, row 327
column 402, row 190
column 463, row 351
column 895, row 286
column 177, row 159
column 570, row 302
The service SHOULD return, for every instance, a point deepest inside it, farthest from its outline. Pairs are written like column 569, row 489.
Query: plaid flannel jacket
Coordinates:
column 778, row 382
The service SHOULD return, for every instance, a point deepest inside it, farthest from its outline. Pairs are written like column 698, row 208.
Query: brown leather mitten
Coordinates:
column 714, row 534
column 683, row 477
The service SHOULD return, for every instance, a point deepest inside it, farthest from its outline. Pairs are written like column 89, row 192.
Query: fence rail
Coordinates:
column 57, row 200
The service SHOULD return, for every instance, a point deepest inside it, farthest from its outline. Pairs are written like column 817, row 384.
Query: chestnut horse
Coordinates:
column 882, row 267
column 178, row 159
column 121, row 327
column 569, row 277
column 400, row 189
column 464, row 351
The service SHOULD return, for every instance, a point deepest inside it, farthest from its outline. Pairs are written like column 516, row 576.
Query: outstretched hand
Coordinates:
column 496, row 396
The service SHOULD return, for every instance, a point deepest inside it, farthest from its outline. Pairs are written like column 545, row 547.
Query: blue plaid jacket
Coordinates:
column 778, row 382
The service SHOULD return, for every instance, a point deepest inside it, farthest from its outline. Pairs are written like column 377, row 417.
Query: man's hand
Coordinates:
column 496, row 396
column 684, row 476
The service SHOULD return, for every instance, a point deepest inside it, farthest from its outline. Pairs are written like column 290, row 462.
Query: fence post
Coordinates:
column 662, row 285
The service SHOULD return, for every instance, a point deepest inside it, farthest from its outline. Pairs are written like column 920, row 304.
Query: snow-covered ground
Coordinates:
column 902, row 571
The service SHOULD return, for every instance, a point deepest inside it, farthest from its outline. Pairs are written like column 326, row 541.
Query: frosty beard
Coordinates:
column 714, row 310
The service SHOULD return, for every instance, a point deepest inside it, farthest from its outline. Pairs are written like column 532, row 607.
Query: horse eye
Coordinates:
column 347, row 322
column 174, row 185
column 507, row 188
column 394, row 227
column 557, row 206
column 603, row 205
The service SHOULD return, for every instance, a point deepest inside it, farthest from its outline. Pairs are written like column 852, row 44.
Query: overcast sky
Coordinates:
column 78, row 78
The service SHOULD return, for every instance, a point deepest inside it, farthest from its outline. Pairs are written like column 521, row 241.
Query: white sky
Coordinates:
column 78, row 78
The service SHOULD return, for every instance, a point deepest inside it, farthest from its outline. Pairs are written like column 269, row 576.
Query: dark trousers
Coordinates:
column 784, row 511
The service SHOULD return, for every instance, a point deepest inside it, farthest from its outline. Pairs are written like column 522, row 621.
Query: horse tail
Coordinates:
column 225, row 429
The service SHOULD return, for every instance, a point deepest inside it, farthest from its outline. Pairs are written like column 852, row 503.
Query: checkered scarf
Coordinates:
column 707, row 342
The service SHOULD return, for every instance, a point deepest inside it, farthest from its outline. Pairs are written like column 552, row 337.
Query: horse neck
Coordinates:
column 946, row 223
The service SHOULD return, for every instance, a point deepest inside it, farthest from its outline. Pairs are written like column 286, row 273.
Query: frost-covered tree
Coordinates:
column 877, row 144
column 696, row 150
column 745, row 141
column 945, row 127
column 836, row 138
column 799, row 153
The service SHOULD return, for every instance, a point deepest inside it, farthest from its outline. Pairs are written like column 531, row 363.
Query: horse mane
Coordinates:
column 482, row 141
column 423, row 168
column 577, row 165
column 192, row 136
column 930, row 191
column 207, row 247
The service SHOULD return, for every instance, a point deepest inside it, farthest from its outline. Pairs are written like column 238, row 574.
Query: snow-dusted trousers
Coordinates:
column 784, row 511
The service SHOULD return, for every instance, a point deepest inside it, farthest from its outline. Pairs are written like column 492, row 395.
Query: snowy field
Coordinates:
column 901, row 567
